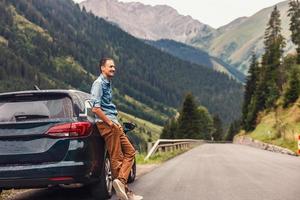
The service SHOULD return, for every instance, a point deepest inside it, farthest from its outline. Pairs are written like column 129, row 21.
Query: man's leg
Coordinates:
column 129, row 153
column 121, row 154
column 111, row 137
column 128, row 156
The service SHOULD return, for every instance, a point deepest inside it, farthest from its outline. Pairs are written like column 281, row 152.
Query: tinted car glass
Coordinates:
column 35, row 109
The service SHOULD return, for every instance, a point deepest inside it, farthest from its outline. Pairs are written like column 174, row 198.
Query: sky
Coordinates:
column 215, row 13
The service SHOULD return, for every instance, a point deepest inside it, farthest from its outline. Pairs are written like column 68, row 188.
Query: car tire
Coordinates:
column 132, row 174
column 102, row 189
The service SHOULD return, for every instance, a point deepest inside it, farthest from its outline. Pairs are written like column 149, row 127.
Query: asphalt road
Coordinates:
column 209, row 172
column 224, row 172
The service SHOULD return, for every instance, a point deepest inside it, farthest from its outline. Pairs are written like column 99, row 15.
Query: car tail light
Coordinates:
column 76, row 129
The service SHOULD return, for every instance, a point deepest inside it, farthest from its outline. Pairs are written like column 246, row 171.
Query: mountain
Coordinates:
column 162, row 24
column 197, row 56
column 55, row 44
column 232, row 43
column 232, row 25
column 235, row 42
column 150, row 22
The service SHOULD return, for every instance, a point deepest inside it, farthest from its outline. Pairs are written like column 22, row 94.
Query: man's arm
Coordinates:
column 102, row 116
column 96, row 93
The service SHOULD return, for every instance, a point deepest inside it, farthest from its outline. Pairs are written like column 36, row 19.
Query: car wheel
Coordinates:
column 103, row 188
column 132, row 174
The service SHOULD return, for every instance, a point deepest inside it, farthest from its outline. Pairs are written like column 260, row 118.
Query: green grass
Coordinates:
column 143, row 126
column 292, row 145
column 145, row 108
column 264, row 132
column 23, row 24
column 271, row 138
column 281, row 132
column 60, row 63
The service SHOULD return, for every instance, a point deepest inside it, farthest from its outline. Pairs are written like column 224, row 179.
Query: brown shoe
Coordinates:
column 132, row 196
column 120, row 189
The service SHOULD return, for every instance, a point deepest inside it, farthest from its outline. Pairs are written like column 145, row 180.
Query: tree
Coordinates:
column 218, row 132
column 251, row 83
column 170, row 129
column 294, row 14
column 271, row 60
column 194, row 122
column 205, row 122
column 188, row 124
column 234, row 128
column 293, row 89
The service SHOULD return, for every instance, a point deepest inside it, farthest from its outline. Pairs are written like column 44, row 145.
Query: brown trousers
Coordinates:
column 120, row 150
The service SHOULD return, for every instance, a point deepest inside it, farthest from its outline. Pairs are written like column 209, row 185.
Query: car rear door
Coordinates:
column 26, row 125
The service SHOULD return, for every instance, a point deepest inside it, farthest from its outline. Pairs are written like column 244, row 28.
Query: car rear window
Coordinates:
column 35, row 108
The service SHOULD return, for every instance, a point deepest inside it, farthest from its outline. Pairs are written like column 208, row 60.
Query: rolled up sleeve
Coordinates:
column 96, row 93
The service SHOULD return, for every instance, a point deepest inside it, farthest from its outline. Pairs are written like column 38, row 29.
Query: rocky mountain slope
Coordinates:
column 150, row 22
column 232, row 43
column 156, row 23
column 235, row 42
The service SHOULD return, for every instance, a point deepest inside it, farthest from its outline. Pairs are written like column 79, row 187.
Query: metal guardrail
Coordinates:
column 162, row 145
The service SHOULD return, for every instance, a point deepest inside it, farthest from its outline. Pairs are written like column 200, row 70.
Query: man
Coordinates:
column 119, row 148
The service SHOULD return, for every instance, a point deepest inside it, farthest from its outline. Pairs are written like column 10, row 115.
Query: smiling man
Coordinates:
column 119, row 148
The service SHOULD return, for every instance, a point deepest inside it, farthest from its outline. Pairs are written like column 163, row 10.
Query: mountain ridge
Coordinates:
column 239, row 43
column 233, row 43
column 149, row 17
column 145, row 26
column 197, row 56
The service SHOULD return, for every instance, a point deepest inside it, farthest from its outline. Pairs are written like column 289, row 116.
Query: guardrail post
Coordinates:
column 149, row 146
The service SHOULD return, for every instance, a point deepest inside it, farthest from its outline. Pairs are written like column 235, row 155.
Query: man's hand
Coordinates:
column 102, row 116
column 110, row 124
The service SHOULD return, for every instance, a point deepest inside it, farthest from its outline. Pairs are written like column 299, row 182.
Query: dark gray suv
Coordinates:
column 49, row 137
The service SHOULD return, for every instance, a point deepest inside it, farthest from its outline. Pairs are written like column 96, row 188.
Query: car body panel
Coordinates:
column 31, row 158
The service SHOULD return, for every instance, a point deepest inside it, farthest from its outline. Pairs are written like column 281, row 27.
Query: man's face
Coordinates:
column 109, row 69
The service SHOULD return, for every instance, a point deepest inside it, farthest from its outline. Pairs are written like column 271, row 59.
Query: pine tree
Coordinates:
column 234, row 128
column 188, row 124
column 166, row 131
column 170, row 129
column 294, row 14
column 271, row 60
column 219, row 132
column 194, row 122
column 205, row 122
column 293, row 90
column 250, row 88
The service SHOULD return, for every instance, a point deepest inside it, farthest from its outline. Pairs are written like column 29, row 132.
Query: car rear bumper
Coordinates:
column 43, row 175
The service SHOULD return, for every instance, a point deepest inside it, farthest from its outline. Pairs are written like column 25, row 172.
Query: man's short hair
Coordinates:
column 103, row 61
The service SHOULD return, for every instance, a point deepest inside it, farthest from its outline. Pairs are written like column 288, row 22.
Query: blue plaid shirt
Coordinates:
column 102, row 98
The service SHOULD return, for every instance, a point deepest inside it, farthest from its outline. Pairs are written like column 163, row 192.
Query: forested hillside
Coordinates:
column 197, row 56
column 271, row 101
column 54, row 44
